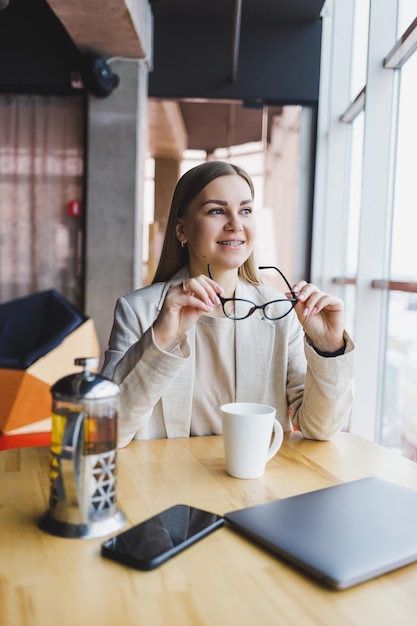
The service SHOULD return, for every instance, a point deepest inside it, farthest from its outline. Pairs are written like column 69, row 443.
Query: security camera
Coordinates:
column 98, row 77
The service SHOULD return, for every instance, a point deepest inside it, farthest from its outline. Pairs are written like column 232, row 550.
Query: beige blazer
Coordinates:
column 274, row 365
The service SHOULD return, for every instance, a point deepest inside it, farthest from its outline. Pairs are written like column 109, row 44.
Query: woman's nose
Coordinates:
column 234, row 223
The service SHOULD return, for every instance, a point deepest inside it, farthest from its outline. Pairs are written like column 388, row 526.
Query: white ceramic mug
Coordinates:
column 247, row 432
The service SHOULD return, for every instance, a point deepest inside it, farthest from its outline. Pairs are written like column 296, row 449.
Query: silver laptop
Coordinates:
column 342, row 535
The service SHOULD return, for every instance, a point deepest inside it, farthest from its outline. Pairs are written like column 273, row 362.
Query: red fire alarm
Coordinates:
column 75, row 208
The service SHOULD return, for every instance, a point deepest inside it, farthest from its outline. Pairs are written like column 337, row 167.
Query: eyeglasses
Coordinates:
column 239, row 309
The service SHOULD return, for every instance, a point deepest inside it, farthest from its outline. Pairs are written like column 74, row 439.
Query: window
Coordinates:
column 399, row 423
column 359, row 46
column 375, row 131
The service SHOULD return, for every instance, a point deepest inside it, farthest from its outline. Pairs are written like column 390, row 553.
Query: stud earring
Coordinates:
column 182, row 244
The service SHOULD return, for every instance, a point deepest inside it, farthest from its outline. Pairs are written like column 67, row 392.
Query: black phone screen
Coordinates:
column 150, row 543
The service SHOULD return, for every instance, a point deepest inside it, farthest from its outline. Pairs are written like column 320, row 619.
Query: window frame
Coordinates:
column 379, row 100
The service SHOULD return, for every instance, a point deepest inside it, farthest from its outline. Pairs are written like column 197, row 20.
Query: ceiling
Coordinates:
column 120, row 28
column 213, row 123
column 175, row 126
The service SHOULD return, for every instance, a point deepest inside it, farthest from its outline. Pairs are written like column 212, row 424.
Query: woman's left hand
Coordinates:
column 321, row 315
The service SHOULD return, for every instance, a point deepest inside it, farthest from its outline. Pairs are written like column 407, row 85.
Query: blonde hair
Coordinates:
column 173, row 255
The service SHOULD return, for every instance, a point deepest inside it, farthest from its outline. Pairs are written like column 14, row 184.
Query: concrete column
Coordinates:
column 116, row 150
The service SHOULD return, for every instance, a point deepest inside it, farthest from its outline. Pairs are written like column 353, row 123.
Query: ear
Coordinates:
column 179, row 231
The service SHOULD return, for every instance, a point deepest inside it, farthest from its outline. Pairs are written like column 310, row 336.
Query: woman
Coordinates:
column 177, row 357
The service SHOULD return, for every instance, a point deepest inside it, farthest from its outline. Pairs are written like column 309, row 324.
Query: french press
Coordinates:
column 83, row 471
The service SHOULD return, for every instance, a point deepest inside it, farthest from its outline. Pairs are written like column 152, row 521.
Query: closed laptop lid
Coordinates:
column 342, row 535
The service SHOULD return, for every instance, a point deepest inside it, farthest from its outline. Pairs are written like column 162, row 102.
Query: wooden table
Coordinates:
column 221, row 581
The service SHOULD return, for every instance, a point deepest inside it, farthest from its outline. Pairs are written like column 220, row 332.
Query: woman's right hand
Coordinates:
column 183, row 305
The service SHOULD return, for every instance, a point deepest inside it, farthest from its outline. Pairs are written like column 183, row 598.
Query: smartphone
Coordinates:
column 152, row 542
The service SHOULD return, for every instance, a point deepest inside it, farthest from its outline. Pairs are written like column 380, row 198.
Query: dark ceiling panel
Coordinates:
column 278, row 56
column 272, row 10
column 278, row 63
column 36, row 51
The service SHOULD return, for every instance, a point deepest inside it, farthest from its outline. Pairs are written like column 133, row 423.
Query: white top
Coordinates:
column 215, row 372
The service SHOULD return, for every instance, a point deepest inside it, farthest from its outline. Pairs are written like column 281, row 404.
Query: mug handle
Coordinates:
column 277, row 441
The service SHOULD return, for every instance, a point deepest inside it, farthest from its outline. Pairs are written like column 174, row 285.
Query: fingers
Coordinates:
column 200, row 288
column 182, row 307
column 321, row 316
column 311, row 300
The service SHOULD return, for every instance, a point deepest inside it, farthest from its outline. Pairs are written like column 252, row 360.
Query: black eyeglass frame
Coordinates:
column 293, row 300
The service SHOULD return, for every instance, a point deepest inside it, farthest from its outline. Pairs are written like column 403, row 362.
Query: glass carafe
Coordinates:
column 83, row 473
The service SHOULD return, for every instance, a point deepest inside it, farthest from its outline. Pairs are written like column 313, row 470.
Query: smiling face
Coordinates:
column 218, row 226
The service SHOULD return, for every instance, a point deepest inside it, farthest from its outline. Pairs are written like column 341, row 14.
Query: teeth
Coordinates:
column 230, row 243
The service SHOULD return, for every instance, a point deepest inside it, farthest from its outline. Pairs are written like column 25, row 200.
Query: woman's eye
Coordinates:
column 216, row 211
column 247, row 210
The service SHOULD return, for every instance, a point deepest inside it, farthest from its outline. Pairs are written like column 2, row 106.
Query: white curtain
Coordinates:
column 41, row 171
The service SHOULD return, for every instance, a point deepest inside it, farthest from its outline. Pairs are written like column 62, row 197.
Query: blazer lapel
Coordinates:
column 177, row 400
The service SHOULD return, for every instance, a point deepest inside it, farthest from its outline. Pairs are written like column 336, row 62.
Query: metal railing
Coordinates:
column 390, row 285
